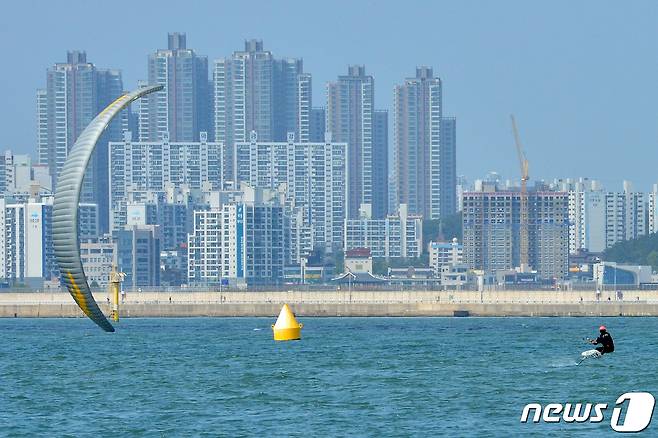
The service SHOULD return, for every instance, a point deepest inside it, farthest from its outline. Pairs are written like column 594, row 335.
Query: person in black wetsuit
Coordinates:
column 607, row 344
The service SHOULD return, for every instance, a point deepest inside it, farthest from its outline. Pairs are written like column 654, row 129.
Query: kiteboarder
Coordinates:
column 607, row 345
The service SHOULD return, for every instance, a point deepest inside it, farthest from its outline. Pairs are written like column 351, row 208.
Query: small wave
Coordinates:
column 562, row 363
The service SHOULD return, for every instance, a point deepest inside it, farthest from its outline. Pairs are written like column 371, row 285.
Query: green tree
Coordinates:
column 431, row 231
column 445, row 229
column 640, row 251
column 451, row 226
column 380, row 266
column 339, row 261
column 652, row 259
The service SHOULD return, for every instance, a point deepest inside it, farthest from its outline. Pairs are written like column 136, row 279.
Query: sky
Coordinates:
column 581, row 77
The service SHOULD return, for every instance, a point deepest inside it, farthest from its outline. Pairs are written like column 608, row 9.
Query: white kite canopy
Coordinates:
column 65, row 207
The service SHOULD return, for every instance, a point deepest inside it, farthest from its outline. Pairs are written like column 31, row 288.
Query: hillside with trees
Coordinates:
column 641, row 251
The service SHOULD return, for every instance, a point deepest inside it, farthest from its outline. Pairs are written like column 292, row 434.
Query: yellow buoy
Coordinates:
column 286, row 327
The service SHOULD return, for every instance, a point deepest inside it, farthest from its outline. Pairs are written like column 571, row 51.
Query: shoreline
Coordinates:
column 346, row 310
column 340, row 303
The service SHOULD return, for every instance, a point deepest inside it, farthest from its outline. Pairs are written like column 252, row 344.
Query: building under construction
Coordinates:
column 492, row 230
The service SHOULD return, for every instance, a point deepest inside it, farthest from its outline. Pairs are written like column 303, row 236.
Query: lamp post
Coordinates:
column 302, row 266
column 349, row 284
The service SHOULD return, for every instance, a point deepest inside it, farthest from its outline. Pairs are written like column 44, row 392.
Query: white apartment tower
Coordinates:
column 425, row 147
column 181, row 110
column 253, row 91
column 26, row 245
column 599, row 219
column 351, row 118
column 314, row 176
column 241, row 241
column 140, row 168
column 652, row 207
column 76, row 91
column 398, row 235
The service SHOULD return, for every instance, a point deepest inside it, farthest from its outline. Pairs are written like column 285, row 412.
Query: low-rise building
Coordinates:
column 617, row 274
column 413, row 275
column 97, row 257
column 358, row 260
column 173, row 267
column 19, row 175
column 445, row 253
column 455, row 275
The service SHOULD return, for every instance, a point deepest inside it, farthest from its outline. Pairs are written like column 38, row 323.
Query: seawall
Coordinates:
column 341, row 303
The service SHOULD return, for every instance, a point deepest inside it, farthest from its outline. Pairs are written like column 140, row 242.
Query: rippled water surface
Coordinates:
column 348, row 376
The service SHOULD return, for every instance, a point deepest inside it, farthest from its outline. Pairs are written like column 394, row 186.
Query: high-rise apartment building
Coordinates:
column 399, row 235
column 88, row 221
column 317, row 125
column 652, row 209
column 253, row 91
column 599, row 218
column 138, row 255
column 314, row 176
column 380, row 164
column 586, row 207
column 352, row 119
column 139, row 168
column 292, row 100
column 299, row 236
column 425, row 147
column 242, row 241
column 181, row 110
column 462, row 186
column 448, row 187
column 589, row 222
column 625, row 215
column 172, row 212
column 26, row 244
column 491, row 231
column 76, row 91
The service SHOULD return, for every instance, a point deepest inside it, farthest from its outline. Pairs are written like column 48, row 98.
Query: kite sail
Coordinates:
column 65, row 207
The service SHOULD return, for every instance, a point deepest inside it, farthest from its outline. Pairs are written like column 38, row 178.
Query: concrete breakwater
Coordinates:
column 342, row 303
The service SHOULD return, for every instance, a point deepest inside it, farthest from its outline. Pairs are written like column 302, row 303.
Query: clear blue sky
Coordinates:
column 580, row 76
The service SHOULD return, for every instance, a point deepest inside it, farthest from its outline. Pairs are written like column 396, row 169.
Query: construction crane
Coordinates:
column 523, row 162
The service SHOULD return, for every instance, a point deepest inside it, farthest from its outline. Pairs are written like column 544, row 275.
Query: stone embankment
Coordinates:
column 342, row 303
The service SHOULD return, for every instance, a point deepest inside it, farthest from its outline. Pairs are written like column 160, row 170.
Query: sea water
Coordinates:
column 347, row 376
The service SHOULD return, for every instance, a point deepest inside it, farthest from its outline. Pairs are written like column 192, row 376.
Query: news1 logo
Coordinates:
column 637, row 408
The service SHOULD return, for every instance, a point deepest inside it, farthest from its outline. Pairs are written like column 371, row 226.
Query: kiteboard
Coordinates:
column 589, row 354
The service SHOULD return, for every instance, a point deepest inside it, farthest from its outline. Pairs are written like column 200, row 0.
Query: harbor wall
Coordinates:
column 342, row 303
